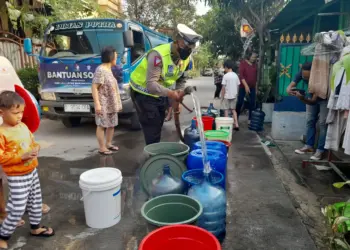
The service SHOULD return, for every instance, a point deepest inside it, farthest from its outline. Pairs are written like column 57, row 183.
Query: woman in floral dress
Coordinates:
column 107, row 101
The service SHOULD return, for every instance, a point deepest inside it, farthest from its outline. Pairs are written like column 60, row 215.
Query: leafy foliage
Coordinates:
column 258, row 13
column 30, row 80
column 203, row 57
column 161, row 13
column 218, row 27
column 62, row 10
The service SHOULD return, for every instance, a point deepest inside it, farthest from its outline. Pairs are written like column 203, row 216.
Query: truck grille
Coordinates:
column 74, row 97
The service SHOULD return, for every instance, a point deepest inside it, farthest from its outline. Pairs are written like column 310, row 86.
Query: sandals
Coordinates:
column 44, row 234
column 113, row 148
column 105, row 152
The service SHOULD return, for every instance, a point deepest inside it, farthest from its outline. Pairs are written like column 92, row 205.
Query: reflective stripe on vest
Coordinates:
column 170, row 71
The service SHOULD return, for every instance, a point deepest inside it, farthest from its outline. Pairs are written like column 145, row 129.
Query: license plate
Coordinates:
column 76, row 108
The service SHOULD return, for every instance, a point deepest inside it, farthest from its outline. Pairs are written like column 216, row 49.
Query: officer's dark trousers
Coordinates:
column 151, row 112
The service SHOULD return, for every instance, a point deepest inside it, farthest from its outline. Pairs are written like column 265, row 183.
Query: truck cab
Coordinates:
column 70, row 55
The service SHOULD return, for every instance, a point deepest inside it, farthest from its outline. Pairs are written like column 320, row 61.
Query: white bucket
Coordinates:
column 101, row 195
column 226, row 124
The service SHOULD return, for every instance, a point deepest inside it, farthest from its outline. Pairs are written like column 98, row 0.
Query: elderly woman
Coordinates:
column 107, row 101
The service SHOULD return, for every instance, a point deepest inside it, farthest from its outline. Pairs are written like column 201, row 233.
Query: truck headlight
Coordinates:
column 48, row 96
column 125, row 92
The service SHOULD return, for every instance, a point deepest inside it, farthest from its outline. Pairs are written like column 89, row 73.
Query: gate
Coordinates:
column 11, row 47
column 289, row 63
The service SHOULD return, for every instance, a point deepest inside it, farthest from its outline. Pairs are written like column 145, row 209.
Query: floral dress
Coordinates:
column 108, row 93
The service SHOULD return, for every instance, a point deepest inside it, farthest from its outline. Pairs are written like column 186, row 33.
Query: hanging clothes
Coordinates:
column 319, row 77
column 339, row 104
column 346, row 143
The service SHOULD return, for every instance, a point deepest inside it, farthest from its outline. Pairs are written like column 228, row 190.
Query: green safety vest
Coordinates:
column 170, row 72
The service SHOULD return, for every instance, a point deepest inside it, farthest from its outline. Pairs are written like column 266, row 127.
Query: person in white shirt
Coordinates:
column 230, row 84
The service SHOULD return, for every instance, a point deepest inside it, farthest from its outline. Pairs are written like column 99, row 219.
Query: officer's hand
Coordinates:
column 174, row 95
column 181, row 94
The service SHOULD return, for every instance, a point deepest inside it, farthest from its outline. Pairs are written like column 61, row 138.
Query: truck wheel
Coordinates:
column 71, row 122
column 135, row 123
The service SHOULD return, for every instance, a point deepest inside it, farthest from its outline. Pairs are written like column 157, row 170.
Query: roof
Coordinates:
column 295, row 11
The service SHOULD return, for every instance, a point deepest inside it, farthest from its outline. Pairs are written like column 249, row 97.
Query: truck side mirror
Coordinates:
column 28, row 47
column 128, row 38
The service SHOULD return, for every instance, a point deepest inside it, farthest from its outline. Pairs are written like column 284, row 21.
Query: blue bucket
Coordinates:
column 215, row 145
column 196, row 176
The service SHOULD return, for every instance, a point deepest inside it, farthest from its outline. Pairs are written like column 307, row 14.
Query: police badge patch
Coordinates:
column 170, row 71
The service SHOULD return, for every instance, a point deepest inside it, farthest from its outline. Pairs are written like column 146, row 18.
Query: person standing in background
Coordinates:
column 248, row 74
column 107, row 101
column 230, row 83
column 218, row 74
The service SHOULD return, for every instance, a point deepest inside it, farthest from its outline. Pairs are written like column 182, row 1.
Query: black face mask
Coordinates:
column 184, row 53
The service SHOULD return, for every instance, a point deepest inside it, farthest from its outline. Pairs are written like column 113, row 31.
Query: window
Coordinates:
column 139, row 46
column 73, row 43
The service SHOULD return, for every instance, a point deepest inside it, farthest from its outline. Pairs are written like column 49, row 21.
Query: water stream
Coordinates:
column 197, row 108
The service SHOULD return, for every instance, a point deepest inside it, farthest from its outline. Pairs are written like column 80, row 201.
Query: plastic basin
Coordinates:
column 180, row 237
column 176, row 149
column 171, row 209
column 214, row 135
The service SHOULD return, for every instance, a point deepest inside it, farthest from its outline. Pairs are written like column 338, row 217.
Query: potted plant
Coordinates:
column 338, row 222
column 265, row 95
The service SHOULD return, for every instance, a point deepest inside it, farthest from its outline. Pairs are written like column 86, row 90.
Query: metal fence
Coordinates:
column 11, row 47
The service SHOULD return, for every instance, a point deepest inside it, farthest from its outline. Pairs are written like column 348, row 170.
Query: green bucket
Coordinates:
column 176, row 149
column 213, row 135
column 171, row 209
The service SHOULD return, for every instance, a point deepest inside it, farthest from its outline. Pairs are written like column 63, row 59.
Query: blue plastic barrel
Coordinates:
column 215, row 145
column 217, row 159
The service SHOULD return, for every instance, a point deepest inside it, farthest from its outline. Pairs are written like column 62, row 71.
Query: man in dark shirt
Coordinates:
column 248, row 75
column 316, row 110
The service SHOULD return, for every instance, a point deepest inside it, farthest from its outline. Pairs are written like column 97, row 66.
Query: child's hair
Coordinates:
column 228, row 64
column 10, row 99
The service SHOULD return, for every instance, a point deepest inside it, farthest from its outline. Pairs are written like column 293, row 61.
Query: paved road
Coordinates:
column 65, row 154
column 260, row 214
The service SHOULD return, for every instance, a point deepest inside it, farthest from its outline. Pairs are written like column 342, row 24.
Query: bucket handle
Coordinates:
column 84, row 196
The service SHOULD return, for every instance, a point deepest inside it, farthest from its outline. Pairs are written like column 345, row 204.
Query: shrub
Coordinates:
column 30, row 80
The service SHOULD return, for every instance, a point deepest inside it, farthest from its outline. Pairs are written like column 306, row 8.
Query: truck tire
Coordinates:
column 71, row 122
column 135, row 123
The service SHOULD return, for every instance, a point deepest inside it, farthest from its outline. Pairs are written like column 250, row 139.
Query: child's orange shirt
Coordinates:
column 14, row 142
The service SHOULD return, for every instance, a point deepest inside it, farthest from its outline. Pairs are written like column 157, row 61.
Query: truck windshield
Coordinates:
column 81, row 43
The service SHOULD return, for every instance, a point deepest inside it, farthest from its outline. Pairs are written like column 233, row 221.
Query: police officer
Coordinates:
column 152, row 79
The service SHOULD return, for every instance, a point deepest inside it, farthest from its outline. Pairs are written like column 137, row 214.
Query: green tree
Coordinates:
column 161, row 13
column 258, row 13
column 218, row 27
column 203, row 57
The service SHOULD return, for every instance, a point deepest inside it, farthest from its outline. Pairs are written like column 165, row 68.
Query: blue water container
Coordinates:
column 166, row 184
column 257, row 121
column 215, row 145
column 213, row 200
column 217, row 159
column 191, row 135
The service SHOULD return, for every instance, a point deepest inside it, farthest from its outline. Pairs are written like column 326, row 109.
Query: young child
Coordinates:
column 18, row 158
column 230, row 83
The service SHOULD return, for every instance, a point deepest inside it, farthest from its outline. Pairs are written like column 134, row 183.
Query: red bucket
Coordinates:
column 178, row 237
column 227, row 143
column 207, row 122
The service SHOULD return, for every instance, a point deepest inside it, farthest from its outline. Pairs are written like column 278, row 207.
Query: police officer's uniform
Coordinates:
column 151, row 81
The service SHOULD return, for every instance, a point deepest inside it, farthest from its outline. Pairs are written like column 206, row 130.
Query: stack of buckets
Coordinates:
column 218, row 142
